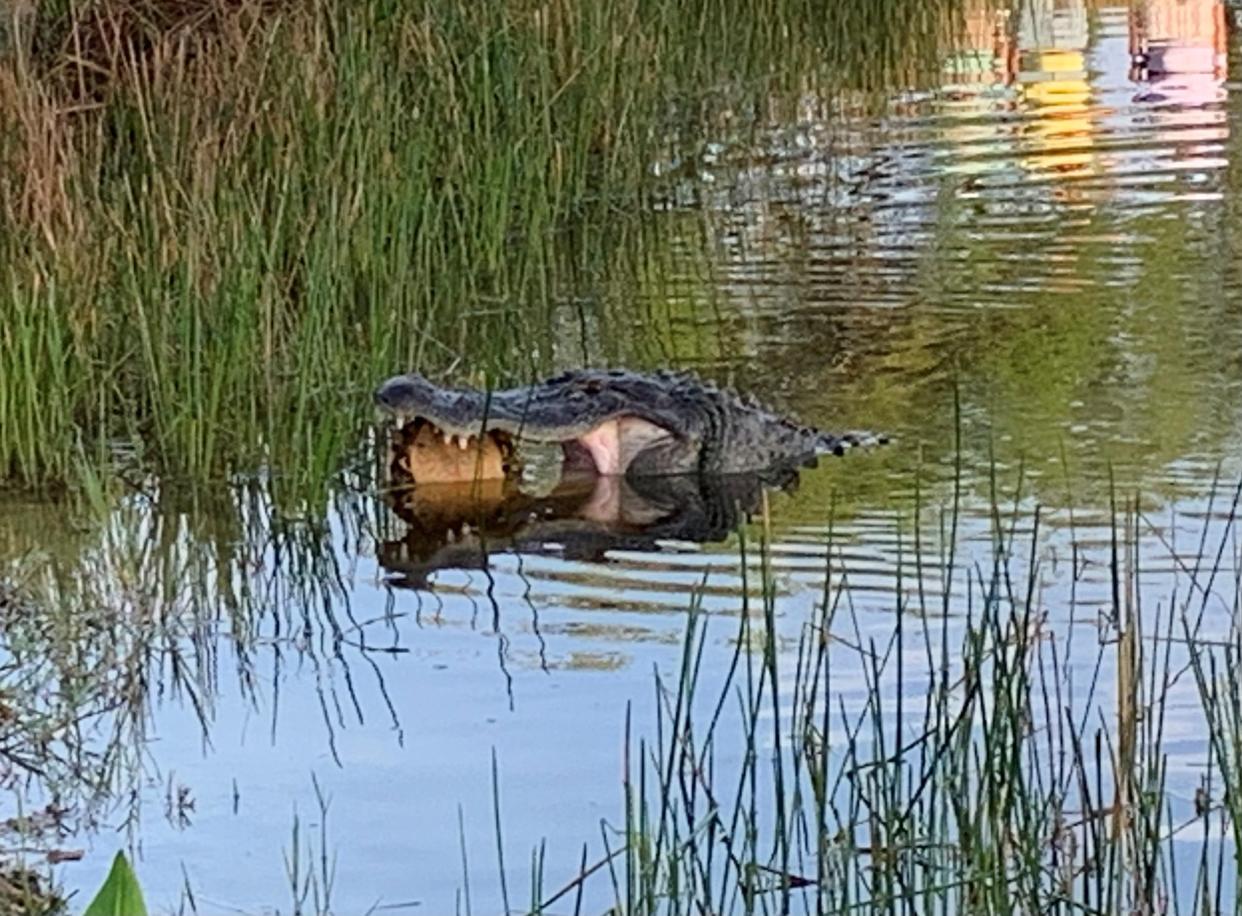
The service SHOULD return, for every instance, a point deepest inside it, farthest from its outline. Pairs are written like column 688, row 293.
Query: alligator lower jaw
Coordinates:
column 424, row 453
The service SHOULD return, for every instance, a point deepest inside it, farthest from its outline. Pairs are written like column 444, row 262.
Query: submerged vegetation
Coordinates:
column 221, row 222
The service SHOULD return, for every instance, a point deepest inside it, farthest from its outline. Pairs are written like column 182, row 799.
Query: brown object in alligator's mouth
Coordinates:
column 423, row 453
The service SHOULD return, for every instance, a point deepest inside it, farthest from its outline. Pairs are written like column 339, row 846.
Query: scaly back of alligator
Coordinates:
column 750, row 436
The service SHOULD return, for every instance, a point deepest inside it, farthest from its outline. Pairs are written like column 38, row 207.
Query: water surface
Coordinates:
column 1028, row 273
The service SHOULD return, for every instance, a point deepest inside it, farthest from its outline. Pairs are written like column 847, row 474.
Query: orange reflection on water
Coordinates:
column 1070, row 89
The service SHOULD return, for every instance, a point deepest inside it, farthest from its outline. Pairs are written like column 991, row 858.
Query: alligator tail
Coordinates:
column 840, row 443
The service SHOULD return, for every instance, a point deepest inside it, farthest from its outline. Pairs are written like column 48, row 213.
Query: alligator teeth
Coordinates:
column 448, row 438
column 464, row 443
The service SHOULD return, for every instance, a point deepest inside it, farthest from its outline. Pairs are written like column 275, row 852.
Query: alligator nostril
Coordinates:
column 394, row 392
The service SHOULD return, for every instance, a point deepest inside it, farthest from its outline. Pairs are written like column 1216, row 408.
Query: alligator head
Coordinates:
column 608, row 422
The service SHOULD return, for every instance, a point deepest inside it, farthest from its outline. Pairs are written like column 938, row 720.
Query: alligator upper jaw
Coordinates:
column 464, row 413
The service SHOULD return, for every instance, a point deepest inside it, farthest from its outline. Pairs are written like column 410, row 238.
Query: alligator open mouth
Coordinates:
column 424, row 452
column 450, row 435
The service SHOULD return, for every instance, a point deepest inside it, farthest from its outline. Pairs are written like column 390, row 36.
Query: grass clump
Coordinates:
column 241, row 227
column 985, row 755
column 222, row 222
column 24, row 892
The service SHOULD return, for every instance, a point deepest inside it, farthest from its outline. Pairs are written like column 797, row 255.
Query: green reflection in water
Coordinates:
column 1055, row 238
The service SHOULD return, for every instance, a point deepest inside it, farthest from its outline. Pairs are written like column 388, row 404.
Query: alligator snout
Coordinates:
column 399, row 394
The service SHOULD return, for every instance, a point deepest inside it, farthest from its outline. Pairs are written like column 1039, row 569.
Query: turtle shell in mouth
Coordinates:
column 423, row 453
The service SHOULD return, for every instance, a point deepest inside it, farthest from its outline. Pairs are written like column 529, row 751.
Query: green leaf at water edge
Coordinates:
column 120, row 894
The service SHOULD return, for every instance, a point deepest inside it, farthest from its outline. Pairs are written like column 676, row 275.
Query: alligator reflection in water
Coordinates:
column 584, row 517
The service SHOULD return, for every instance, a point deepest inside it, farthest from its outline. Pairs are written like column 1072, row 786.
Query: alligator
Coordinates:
column 607, row 422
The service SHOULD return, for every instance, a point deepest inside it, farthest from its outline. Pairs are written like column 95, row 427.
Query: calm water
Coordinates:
column 1048, row 243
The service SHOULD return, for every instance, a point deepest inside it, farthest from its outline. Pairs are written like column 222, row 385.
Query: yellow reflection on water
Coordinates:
column 1053, row 38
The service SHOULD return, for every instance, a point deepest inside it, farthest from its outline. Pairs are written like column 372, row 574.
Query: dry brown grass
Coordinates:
column 164, row 59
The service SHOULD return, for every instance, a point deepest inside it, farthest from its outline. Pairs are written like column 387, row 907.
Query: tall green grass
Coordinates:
column 222, row 222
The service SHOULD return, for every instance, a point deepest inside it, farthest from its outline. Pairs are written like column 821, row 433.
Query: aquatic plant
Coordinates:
column 986, row 765
column 985, row 739
column 120, row 894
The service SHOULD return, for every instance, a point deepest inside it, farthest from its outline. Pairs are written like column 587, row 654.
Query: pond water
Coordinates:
column 1030, row 275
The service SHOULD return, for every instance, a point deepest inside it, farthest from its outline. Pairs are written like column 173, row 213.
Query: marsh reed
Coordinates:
column 1006, row 756
column 1029, row 728
column 221, row 221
